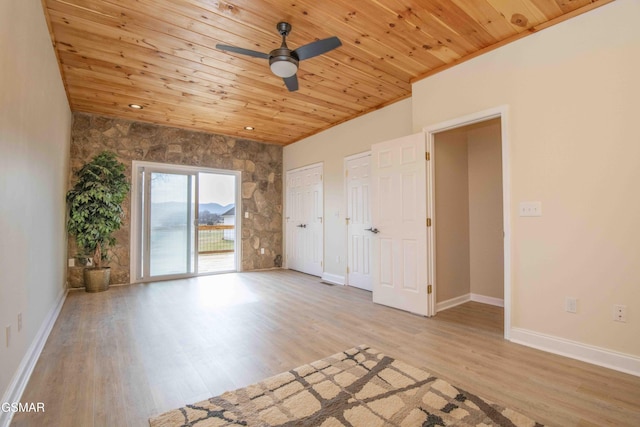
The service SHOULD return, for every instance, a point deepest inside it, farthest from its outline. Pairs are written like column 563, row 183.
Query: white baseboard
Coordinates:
column 622, row 362
column 450, row 303
column 25, row 369
column 498, row 302
column 333, row 279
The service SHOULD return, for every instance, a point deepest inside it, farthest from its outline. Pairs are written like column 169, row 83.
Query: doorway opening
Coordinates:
column 469, row 206
column 216, row 223
column 184, row 221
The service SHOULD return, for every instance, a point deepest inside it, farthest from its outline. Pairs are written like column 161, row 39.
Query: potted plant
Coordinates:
column 95, row 213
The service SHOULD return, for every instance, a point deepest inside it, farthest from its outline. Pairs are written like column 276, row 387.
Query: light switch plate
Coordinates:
column 530, row 209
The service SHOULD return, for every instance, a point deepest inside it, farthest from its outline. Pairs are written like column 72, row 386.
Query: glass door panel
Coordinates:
column 216, row 223
column 171, row 224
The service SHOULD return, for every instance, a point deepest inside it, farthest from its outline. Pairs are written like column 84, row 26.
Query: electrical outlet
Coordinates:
column 7, row 331
column 246, row 214
column 620, row 313
column 72, row 262
column 530, row 209
column 19, row 322
column 262, row 251
column 571, row 305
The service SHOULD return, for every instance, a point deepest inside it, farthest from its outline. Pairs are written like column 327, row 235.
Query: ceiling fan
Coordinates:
column 284, row 61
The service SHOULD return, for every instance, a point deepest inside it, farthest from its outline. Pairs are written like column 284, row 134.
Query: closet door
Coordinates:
column 313, row 221
column 359, row 238
column 305, row 220
column 295, row 221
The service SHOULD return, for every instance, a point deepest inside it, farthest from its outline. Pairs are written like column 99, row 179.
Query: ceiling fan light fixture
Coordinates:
column 283, row 66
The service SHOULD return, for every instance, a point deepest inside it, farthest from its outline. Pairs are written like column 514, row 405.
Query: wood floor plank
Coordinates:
column 119, row 357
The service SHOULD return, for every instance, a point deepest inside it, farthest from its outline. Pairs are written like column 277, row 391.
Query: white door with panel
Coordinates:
column 399, row 223
column 305, row 220
column 359, row 239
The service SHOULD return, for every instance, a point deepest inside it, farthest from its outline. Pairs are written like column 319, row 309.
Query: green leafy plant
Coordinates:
column 95, row 205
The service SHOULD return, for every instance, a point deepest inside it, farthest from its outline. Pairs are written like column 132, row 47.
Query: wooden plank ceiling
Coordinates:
column 161, row 54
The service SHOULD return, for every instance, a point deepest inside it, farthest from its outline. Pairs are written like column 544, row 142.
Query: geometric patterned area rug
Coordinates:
column 360, row 387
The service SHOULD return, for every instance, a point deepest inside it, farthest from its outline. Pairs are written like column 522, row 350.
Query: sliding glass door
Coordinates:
column 183, row 221
column 171, row 224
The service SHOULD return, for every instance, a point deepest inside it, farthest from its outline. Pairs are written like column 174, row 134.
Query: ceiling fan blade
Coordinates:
column 242, row 51
column 317, row 48
column 292, row 83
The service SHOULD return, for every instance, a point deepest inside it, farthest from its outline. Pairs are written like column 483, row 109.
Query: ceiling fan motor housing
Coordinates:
column 283, row 61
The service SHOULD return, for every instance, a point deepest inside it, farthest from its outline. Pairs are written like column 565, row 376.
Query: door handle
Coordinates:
column 302, row 225
column 373, row 230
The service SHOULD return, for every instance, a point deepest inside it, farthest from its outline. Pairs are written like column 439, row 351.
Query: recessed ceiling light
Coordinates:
column 248, row 128
column 136, row 106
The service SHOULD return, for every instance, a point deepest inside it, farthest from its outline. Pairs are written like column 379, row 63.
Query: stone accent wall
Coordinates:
column 260, row 164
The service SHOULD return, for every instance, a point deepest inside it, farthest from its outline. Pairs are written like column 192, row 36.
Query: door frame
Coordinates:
column 346, row 206
column 135, row 235
column 501, row 112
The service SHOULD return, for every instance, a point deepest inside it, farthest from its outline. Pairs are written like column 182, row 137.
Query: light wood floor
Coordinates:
column 119, row 357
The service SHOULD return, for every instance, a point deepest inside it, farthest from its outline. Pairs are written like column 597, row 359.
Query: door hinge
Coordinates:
column 428, row 222
column 347, row 220
column 427, row 156
column 320, row 263
column 346, row 173
column 347, row 270
column 429, row 289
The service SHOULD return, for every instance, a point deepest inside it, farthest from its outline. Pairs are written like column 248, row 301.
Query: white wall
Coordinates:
column 573, row 92
column 331, row 147
column 35, row 123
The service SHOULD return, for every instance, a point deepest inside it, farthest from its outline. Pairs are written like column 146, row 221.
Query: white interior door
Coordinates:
column 304, row 226
column 359, row 240
column 313, row 223
column 399, row 215
column 294, row 223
